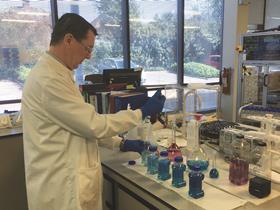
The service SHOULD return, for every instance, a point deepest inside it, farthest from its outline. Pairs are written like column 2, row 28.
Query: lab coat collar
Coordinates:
column 62, row 68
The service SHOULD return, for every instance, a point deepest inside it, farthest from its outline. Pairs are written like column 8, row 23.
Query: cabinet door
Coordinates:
column 127, row 202
column 107, row 195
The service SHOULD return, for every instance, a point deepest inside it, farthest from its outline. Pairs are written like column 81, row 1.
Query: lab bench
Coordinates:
column 124, row 189
column 127, row 189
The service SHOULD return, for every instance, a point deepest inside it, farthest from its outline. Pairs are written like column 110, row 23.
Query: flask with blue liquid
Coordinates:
column 195, row 182
column 196, row 155
column 152, row 160
column 163, row 166
column 178, row 169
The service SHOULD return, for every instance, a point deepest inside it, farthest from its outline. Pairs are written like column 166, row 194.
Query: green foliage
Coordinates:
column 153, row 44
column 200, row 70
column 23, row 73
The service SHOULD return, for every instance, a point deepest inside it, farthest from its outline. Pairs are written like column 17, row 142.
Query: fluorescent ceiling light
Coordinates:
column 34, row 13
column 112, row 25
column 191, row 27
column 18, row 21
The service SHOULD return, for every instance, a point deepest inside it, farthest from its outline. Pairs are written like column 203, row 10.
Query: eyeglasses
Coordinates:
column 88, row 49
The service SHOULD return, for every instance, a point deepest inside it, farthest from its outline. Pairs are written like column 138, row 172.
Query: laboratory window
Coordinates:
column 153, row 38
column 105, row 16
column 25, row 28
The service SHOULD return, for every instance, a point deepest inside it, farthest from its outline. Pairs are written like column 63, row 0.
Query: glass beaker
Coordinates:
column 261, row 163
column 239, row 166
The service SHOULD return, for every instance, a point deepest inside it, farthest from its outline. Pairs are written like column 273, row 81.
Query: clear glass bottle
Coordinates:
column 195, row 182
column 173, row 149
column 152, row 160
column 239, row 166
column 145, row 131
column 226, row 144
column 178, row 169
column 145, row 153
column 196, row 156
column 163, row 166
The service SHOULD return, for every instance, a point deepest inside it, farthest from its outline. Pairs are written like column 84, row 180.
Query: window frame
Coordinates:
column 126, row 42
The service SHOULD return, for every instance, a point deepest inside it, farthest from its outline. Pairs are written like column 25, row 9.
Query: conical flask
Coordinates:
column 173, row 149
column 196, row 155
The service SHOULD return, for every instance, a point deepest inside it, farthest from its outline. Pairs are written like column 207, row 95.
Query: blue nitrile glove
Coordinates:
column 132, row 146
column 154, row 105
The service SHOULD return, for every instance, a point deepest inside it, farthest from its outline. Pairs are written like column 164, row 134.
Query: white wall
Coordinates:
column 256, row 12
column 235, row 24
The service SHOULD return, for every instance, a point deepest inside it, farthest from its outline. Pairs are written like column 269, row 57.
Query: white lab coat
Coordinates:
column 61, row 134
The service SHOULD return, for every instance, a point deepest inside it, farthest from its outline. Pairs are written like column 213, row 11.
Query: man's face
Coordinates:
column 81, row 50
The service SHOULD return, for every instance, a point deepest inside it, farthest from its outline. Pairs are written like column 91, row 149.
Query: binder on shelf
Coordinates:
column 112, row 98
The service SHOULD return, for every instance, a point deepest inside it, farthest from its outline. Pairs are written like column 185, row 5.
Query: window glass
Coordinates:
column 105, row 16
column 153, row 39
column 25, row 28
column 272, row 16
column 203, row 40
column 203, row 48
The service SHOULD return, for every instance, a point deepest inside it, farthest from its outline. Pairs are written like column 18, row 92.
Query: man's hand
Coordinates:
column 132, row 146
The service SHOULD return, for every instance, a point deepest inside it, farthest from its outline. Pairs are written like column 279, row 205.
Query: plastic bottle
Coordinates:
column 163, row 166
column 152, row 160
column 195, row 182
column 178, row 169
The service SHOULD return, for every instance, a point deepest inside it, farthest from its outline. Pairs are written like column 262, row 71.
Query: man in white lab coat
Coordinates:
column 61, row 132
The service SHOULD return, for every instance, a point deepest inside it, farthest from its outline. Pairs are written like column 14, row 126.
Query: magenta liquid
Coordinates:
column 173, row 151
column 238, row 171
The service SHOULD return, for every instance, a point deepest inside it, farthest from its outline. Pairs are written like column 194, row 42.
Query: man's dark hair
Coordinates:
column 73, row 24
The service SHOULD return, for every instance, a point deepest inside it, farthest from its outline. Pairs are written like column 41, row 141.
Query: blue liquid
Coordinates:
column 144, row 156
column 203, row 164
column 152, row 162
column 178, row 170
column 195, row 184
column 163, row 169
column 214, row 173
